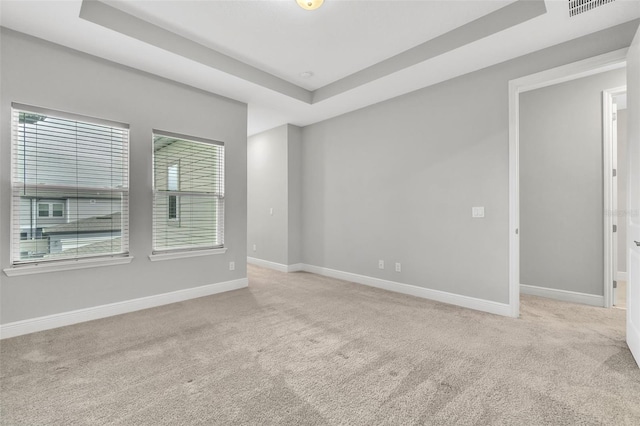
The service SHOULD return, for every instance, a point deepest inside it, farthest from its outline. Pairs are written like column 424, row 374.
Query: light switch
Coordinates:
column 477, row 212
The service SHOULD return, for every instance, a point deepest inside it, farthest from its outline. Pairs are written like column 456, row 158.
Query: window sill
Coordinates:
column 185, row 254
column 65, row 266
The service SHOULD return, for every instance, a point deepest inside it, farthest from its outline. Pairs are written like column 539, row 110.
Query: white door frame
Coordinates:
column 606, row 62
column 610, row 204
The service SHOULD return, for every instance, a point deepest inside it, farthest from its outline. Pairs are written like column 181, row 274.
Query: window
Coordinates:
column 57, row 209
column 188, row 202
column 43, row 210
column 173, row 184
column 70, row 186
column 49, row 209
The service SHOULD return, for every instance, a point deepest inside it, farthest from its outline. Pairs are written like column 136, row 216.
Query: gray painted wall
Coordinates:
column 622, row 190
column 274, row 182
column 294, row 159
column 397, row 180
column 86, row 85
column 561, row 184
column 267, row 189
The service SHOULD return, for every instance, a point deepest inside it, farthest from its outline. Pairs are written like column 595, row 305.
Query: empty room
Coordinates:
column 319, row 212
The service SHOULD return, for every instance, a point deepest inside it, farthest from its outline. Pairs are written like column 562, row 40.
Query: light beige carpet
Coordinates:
column 301, row 349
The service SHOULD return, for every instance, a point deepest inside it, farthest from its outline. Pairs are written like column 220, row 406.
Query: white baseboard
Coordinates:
column 622, row 276
column 412, row 290
column 563, row 295
column 48, row 322
column 297, row 267
column 273, row 265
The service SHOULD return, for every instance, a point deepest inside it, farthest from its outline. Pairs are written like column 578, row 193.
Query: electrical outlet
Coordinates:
column 380, row 264
column 398, row 267
column 254, row 247
column 232, row 266
column 477, row 212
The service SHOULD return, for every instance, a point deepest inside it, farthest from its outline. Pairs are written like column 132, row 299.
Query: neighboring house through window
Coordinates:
column 173, row 184
column 188, row 193
column 70, row 186
column 51, row 209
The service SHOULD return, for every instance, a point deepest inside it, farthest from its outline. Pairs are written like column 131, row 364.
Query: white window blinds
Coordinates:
column 188, row 202
column 70, row 186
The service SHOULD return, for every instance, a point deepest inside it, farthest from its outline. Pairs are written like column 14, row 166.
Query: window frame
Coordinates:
column 40, row 210
column 50, row 208
column 21, row 267
column 181, row 252
column 53, row 209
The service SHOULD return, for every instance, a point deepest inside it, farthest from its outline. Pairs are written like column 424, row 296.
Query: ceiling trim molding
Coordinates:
column 124, row 23
column 114, row 19
column 492, row 23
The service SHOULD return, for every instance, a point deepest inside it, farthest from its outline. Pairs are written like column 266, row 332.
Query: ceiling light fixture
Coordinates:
column 309, row 4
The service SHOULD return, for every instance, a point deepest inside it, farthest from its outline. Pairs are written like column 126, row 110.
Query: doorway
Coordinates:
column 614, row 118
column 607, row 62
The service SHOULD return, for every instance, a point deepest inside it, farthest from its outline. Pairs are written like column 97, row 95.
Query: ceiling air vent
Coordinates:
column 577, row 7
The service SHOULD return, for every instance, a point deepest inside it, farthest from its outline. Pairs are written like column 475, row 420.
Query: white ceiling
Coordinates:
column 335, row 42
